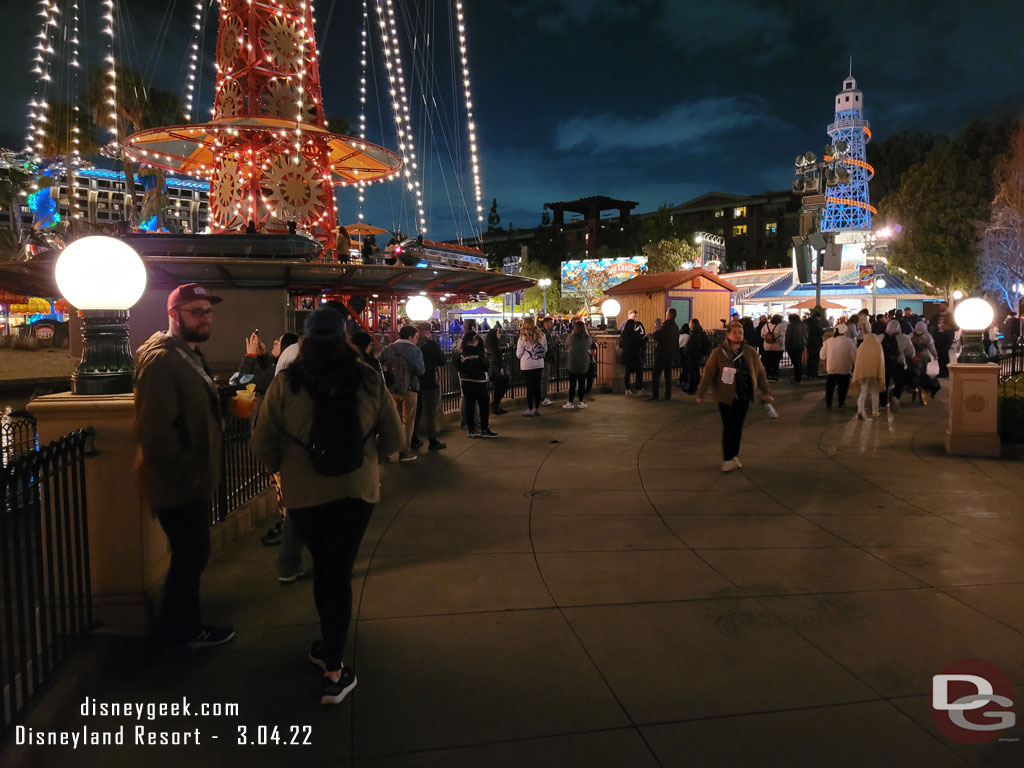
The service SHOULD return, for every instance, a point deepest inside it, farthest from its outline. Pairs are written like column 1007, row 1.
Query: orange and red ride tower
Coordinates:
column 267, row 152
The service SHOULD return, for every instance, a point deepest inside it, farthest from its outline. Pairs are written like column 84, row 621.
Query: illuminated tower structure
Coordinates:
column 848, row 205
column 267, row 152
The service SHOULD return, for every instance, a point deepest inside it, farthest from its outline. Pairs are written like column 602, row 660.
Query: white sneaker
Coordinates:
column 581, row 404
column 546, row 401
column 730, row 465
column 568, row 407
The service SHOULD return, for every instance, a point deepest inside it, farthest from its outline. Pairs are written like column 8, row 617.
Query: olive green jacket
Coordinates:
column 282, row 432
column 177, row 423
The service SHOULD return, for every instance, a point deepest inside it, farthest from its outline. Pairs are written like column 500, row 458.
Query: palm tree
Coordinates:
column 137, row 108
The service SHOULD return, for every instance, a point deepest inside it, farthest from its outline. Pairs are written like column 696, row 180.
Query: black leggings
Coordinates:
column 635, row 366
column 474, row 396
column 333, row 533
column 577, row 383
column 732, row 427
column 188, row 533
column 532, row 378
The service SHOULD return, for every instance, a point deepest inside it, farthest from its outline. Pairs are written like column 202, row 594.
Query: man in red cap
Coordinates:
column 178, row 424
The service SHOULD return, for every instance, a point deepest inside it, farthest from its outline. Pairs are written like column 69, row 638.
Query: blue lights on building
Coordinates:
column 172, row 181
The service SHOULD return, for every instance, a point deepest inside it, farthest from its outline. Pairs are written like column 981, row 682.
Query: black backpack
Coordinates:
column 891, row 349
column 336, row 437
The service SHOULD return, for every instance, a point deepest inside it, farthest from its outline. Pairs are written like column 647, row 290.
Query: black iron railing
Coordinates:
column 45, row 590
column 17, row 435
column 1011, row 363
column 242, row 476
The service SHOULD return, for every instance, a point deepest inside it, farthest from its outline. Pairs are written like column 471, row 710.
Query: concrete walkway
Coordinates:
column 590, row 590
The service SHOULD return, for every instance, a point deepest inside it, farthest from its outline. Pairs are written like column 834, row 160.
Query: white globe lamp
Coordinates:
column 610, row 309
column 419, row 309
column 103, row 278
column 973, row 316
column 100, row 273
column 958, row 294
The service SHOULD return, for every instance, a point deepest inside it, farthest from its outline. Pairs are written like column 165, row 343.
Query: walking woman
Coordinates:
column 869, row 371
column 731, row 373
column 577, row 345
column 496, row 368
column 530, row 350
column 329, row 394
column 774, row 335
column 471, row 363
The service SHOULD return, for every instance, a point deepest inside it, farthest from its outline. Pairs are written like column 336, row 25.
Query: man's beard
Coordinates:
column 195, row 336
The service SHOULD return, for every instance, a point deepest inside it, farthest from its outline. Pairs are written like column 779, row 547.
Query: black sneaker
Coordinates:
column 210, row 636
column 436, row 445
column 335, row 692
column 417, row 444
column 498, row 410
column 316, row 654
column 474, row 433
column 272, row 536
column 487, row 433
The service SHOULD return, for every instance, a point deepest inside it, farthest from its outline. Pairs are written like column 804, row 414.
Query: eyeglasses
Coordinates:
column 198, row 314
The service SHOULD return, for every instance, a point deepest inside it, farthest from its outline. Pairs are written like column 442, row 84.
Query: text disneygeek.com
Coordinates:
column 145, row 733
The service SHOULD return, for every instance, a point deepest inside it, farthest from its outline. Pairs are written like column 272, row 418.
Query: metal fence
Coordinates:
column 242, row 476
column 1011, row 363
column 17, row 435
column 45, row 591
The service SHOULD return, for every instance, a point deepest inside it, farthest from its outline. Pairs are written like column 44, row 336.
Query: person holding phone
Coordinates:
column 731, row 374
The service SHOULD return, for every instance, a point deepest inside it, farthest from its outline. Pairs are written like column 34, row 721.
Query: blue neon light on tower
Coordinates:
column 848, row 205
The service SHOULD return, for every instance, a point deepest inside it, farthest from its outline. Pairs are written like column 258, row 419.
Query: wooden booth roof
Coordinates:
column 666, row 281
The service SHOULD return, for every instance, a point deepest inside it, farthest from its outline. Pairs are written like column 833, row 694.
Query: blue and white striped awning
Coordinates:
column 784, row 289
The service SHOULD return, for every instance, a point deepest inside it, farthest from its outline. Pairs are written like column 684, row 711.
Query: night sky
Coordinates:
column 653, row 101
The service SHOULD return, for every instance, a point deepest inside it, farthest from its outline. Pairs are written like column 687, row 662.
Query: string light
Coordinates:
column 42, row 63
column 108, row 30
column 76, row 156
column 400, row 105
column 362, row 97
column 193, row 62
column 464, row 55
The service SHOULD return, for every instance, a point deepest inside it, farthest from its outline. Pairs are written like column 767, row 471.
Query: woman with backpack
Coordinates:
column 471, row 363
column 324, row 422
column 530, row 349
column 774, row 335
column 898, row 352
column 924, row 353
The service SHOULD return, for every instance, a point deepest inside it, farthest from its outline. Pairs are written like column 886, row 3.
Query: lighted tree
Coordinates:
column 1001, row 257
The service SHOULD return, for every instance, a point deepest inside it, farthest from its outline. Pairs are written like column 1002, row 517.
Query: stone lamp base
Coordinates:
column 973, row 410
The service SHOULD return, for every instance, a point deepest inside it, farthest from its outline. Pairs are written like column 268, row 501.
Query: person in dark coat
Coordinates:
column 633, row 340
column 697, row 348
column 667, row 338
column 796, row 343
column 496, row 368
column 815, row 338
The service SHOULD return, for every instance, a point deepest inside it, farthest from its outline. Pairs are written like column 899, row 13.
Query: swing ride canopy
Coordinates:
column 272, row 261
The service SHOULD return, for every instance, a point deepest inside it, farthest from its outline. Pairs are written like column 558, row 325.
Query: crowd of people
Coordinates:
column 334, row 381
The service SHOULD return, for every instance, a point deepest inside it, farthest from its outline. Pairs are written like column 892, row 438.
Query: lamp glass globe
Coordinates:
column 419, row 308
column 100, row 273
column 957, row 295
column 974, row 314
column 610, row 308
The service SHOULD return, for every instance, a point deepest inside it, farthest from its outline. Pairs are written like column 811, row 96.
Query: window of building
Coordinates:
column 739, row 213
column 771, row 228
column 739, row 229
column 719, row 214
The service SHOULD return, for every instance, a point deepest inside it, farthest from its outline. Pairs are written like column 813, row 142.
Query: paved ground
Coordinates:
column 590, row 590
